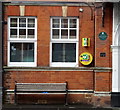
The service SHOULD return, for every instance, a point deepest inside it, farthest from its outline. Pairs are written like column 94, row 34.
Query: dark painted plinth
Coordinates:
column 115, row 99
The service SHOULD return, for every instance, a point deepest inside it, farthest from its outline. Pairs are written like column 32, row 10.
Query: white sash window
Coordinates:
column 22, row 41
column 64, row 42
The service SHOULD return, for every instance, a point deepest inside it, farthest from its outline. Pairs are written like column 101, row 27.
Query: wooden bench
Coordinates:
column 43, row 88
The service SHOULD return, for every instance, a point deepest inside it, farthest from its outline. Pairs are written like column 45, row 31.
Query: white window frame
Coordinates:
column 65, row 64
column 22, row 40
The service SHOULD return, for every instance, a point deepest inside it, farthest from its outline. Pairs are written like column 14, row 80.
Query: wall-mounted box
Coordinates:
column 85, row 42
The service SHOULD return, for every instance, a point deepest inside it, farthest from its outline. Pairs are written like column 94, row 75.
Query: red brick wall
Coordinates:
column 103, row 45
column 77, row 80
column 103, row 81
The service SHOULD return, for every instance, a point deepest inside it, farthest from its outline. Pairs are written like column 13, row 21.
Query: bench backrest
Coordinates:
column 41, row 86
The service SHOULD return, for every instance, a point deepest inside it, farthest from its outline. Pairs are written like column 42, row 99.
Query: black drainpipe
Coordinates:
column 1, row 88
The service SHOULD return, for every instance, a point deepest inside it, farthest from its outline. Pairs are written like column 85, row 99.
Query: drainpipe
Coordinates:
column 1, row 88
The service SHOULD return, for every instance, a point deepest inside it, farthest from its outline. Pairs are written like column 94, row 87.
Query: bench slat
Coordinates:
column 41, row 86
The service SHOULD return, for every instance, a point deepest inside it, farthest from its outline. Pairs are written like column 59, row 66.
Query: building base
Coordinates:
column 115, row 99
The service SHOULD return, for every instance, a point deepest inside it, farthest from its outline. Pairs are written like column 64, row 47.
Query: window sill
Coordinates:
column 94, row 69
column 22, row 64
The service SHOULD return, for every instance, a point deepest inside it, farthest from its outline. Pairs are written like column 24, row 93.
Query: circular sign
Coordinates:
column 103, row 36
column 86, row 58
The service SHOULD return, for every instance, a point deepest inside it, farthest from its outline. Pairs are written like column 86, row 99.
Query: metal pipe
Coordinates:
column 1, row 88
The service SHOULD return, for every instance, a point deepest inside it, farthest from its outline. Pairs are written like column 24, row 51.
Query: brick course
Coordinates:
column 77, row 80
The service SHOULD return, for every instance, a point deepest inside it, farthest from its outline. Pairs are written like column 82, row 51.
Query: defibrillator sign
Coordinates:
column 86, row 58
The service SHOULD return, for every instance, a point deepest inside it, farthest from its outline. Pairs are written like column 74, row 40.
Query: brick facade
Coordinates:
column 81, row 80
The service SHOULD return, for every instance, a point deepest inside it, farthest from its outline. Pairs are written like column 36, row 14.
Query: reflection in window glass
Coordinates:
column 56, row 23
column 55, row 34
column 31, row 33
column 64, row 52
column 28, row 52
column 64, row 34
column 21, row 52
column 22, row 33
column 64, row 23
column 72, row 34
column 13, row 33
column 22, row 27
column 73, row 23
column 13, row 22
column 64, row 28
column 31, row 22
column 15, row 52
column 22, row 22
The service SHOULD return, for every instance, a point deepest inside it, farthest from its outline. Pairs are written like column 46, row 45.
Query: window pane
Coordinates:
column 73, row 23
column 64, row 23
column 15, row 52
column 31, row 22
column 28, row 52
column 57, row 52
column 13, row 22
column 72, row 34
column 22, row 22
column 22, row 33
column 70, row 52
column 13, row 33
column 55, row 34
column 64, row 34
column 21, row 52
column 56, row 23
column 31, row 33
column 64, row 52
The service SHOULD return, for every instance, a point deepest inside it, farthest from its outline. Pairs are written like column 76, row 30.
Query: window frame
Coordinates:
column 22, row 40
column 64, row 64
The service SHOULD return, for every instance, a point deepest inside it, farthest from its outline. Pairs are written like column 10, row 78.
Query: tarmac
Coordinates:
column 53, row 107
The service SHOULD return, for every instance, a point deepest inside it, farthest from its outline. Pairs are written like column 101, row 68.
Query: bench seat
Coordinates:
column 43, row 88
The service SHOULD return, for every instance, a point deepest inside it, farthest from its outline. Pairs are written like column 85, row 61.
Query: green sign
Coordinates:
column 103, row 36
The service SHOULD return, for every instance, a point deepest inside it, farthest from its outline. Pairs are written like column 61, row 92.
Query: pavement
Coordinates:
column 52, row 107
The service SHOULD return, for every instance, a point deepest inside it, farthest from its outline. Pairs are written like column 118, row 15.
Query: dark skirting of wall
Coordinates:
column 115, row 99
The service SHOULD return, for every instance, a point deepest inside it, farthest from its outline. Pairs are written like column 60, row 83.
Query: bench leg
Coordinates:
column 66, row 100
column 66, row 95
column 15, row 96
